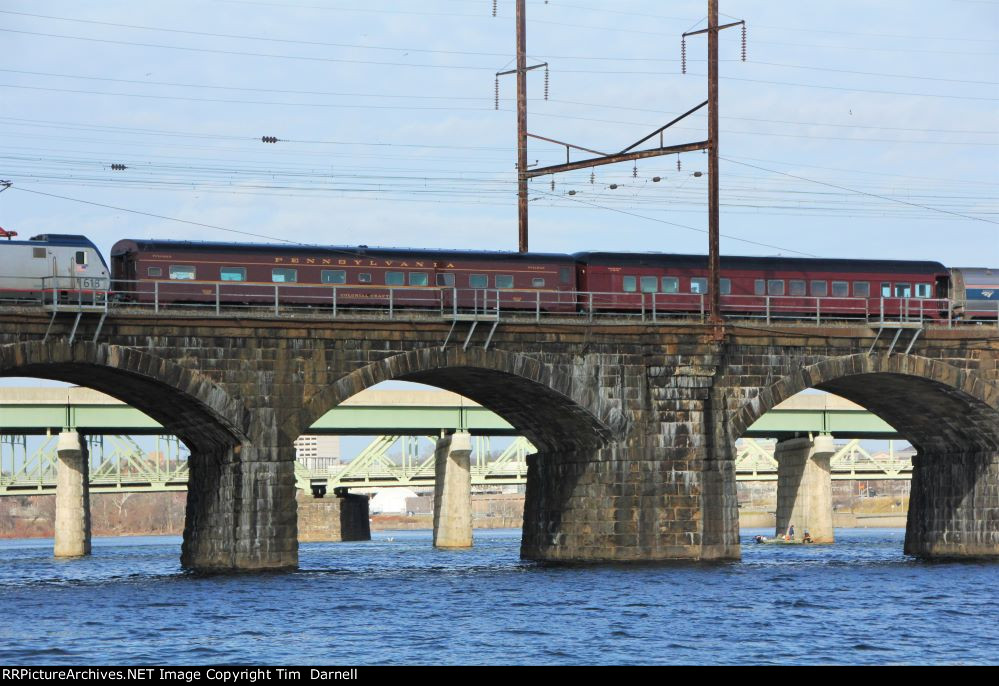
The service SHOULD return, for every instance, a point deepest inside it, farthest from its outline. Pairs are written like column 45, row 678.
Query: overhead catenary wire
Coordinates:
column 853, row 190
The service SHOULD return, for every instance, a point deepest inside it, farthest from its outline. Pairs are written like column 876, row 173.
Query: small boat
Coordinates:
column 780, row 540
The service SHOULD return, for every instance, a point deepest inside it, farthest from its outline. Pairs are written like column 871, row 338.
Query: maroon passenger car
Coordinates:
column 757, row 285
column 235, row 273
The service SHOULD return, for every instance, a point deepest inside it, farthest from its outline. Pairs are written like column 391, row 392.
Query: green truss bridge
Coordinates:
column 128, row 451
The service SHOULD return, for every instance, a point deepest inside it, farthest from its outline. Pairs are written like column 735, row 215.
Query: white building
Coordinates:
column 318, row 453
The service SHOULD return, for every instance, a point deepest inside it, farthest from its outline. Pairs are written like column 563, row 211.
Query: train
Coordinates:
column 161, row 272
column 50, row 261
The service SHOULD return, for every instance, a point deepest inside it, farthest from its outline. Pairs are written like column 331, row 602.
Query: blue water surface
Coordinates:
column 397, row 600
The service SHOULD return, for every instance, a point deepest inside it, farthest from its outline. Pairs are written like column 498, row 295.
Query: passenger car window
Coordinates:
column 38, row 252
column 903, row 290
column 504, row 281
column 232, row 274
column 922, row 290
column 395, row 278
column 630, row 284
column 478, row 280
column 760, row 287
column 862, row 289
column 699, row 285
column 840, row 289
column 820, row 289
column 81, row 257
column 333, row 276
column 725, row 286
column 284, row 275
column 650, row 284
column 154, row 271
column 182, row 271
column 671, row 284
column 885, row 289
column 775, row 287
column 364, row 277
column 445, row 279
column 419, row 279
column 564, row 274
column 538, row 282
column 796, row 287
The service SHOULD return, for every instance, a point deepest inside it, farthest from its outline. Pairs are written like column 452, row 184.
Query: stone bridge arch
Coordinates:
column 186, row 403
column 222, row 527
column 949, row 414
column 557, row 406
column 616, row 476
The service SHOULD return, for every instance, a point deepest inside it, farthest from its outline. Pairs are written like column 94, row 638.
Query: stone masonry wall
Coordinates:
column 635, row 423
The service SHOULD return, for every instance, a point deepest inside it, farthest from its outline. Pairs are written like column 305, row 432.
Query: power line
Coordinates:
column 447, row 97
column 243, row 88
column 159, row 216
column 460, row 67
column 873, row 195
column 240, row 53
column 681, row 226
column 180, row 98
column 327, row 44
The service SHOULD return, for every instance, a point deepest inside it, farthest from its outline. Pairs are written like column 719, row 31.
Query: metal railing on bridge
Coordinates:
column 332, row 301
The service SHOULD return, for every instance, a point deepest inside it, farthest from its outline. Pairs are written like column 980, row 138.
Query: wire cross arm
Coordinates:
column 514, row 71
column 719, row 28
column 621, row 157
column 663, row 128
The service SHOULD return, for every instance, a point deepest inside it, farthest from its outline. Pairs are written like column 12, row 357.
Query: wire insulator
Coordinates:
column 744, row 42
column 634, row 172
column 497, row 92
column 546, row 82
column 553, row 183
column 683, row 55
column 494, row 8
column 593, row 177
column 678, row 163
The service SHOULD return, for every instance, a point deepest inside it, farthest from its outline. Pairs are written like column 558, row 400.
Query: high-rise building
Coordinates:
column 318, row 452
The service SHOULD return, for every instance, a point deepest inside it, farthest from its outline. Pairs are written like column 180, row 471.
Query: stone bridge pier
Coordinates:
column 949, row 413
column 635, row 425
column 804, row 487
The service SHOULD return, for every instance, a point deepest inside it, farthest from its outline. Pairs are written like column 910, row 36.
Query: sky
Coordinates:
column 854, row 129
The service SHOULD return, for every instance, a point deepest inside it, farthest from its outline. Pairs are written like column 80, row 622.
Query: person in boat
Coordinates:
column 807, row 538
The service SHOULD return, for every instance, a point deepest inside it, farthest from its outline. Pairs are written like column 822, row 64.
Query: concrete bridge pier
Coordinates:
column 72, row 515
column 954, row 505
column 453, row 491
column 241, row 509
column 804, row 487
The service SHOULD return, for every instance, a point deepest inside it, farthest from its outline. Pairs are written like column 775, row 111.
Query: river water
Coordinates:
column 396, row 600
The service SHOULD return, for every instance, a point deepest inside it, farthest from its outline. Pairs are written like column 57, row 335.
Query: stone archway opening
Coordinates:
column 137, row 474
column 186, row 405
column 381, row 444
column 949, row 416
column 558, row 415
column 818, row 462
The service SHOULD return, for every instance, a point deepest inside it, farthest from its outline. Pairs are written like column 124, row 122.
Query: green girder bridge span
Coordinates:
column 406, row 425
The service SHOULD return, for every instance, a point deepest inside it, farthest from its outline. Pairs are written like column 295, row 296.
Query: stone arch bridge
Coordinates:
column 635, row 424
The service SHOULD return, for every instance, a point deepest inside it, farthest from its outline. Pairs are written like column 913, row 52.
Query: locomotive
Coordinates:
column 51, row 262
column 170, row 271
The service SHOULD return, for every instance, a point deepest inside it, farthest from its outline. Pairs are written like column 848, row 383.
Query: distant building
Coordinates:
column 391, row 500
column 318, row 453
